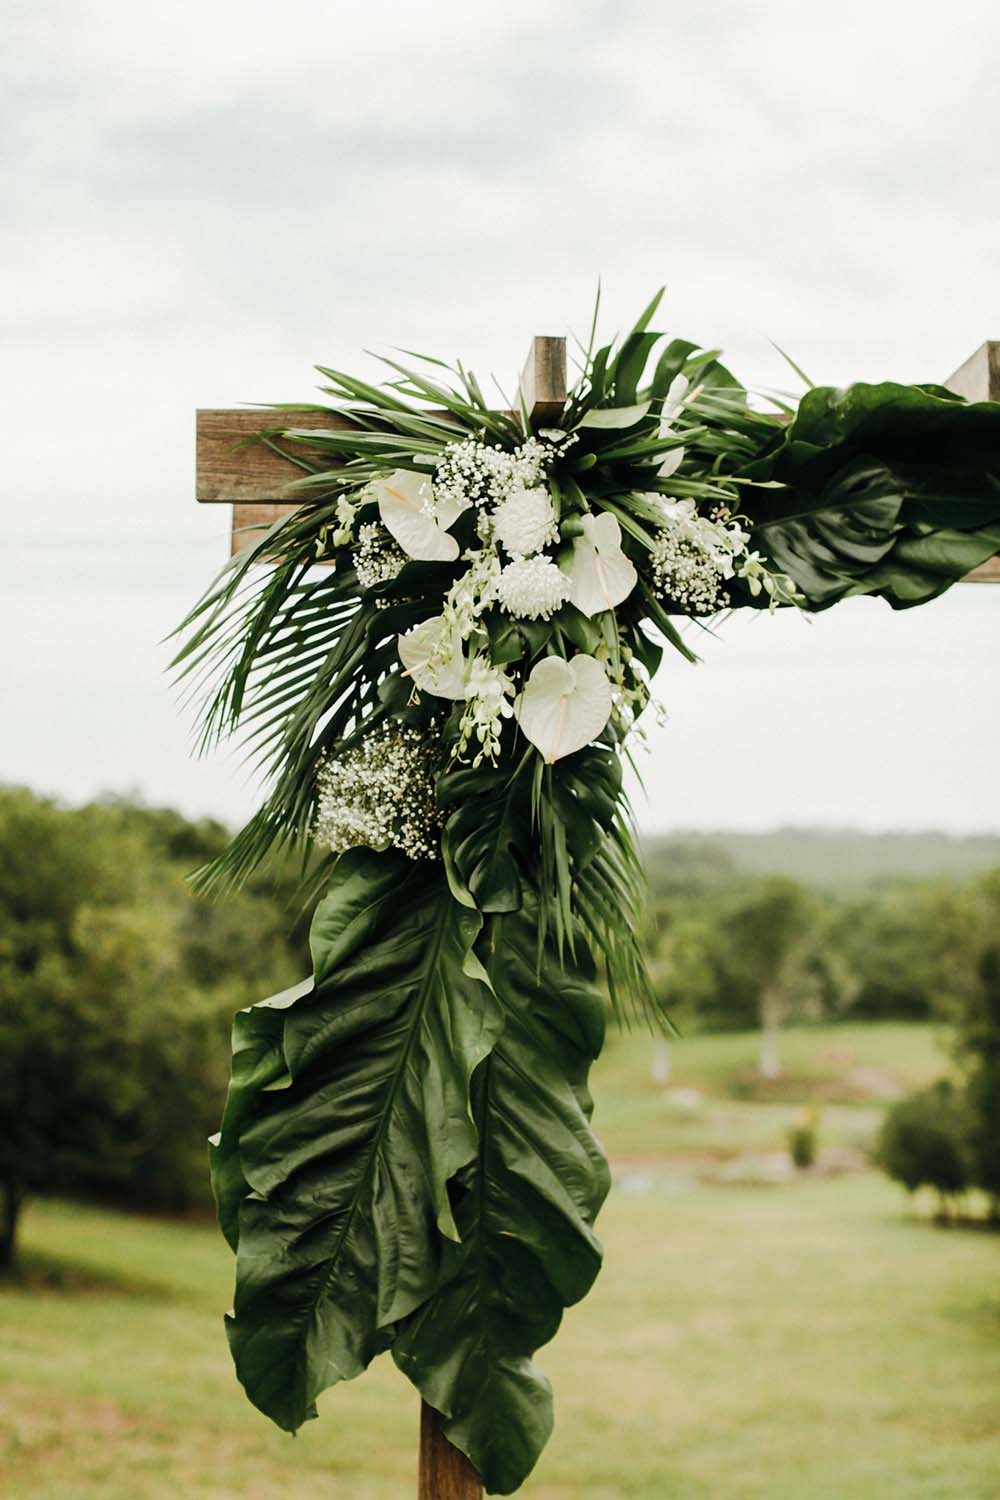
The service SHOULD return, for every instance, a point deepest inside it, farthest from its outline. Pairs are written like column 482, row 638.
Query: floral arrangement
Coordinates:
column 441, row 659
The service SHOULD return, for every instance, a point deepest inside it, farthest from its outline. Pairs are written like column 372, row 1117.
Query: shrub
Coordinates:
column 923, row 1139
column 803, row 1144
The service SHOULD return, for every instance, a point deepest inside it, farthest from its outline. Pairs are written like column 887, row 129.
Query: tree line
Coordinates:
column 118, row 986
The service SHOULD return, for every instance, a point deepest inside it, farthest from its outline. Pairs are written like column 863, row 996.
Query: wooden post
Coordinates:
column 445, row 1473
column 979, row 380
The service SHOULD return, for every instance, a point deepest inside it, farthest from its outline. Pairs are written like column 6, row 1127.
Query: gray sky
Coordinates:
column 202, row 199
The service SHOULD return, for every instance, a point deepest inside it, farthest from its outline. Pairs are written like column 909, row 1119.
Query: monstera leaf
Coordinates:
column 348, row 1118
column 525, row 1211
column 880, row 489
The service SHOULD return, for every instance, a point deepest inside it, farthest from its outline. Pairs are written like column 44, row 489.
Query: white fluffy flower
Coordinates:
column 377, row 558
column 532, row 588
column 525, row 522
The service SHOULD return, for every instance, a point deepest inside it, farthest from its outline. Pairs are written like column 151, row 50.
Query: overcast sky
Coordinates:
column 202, row 199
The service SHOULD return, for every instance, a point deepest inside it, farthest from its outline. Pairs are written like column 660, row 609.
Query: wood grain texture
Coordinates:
column 254, row 475
column 445, row 1473
column 250, row 520
column 543, row 379
column 979, row 378
column 987, row 572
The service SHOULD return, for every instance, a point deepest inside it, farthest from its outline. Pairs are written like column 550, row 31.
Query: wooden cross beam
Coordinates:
column 253, row 479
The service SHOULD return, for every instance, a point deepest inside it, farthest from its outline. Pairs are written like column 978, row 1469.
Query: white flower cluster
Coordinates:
column 487, row 691
column 532, row 588
column 525, row 522
column 486, row 473
column 693, row 556
column 377, row 558
column 380, row 794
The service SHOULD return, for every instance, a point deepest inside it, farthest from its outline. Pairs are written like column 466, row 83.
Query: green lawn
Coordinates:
column 802, row 1342
column 836, row 1069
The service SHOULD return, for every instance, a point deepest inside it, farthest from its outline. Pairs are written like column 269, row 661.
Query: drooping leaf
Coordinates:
column 864, row 481
column 341, row 1228
column 525, row 1213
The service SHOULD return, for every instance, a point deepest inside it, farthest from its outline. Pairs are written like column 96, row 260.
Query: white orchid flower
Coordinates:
column 600, row 574
column 417, row 521
column 564, row 705
column 432, row 654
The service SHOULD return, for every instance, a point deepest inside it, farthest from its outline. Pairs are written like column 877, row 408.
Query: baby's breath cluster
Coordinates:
column 693, row 556
column 377, row 558
column 486, row 473
column 380, row 793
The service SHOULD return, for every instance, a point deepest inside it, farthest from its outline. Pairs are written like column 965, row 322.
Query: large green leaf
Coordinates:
column 889, row 490
column 348, row 1119
column 525, row 1213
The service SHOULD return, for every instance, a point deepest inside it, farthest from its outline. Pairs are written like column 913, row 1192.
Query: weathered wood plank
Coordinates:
column 542, row 385
column 254, row 475
column 445, row 1473
column 979, row 378
column 987, row 572
column 249, row 521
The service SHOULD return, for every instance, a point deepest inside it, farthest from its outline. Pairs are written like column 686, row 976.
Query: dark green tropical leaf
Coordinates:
column 348, row 1120
column 525, row 1211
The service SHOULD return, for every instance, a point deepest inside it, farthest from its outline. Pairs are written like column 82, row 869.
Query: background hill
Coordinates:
column 835, row 859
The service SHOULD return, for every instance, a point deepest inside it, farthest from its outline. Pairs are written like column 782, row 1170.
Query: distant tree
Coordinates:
column 888, row 939
column 981, row 1049
column 116, row 996
column 774, row 933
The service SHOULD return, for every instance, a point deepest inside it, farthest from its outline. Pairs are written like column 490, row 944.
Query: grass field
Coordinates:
column 832, row 1068
column 802, row 1342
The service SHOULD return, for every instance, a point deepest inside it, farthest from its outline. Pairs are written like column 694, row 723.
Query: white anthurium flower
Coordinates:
column 600, row 574
column 406, row 505
column 432, row 654
column 672, row 402
column 564, row 705
column 671, row 463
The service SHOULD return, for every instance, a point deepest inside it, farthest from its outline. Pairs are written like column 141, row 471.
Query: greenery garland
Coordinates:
column 406, row 1161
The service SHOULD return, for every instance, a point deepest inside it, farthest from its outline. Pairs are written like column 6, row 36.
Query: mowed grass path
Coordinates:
column 802, row 1342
